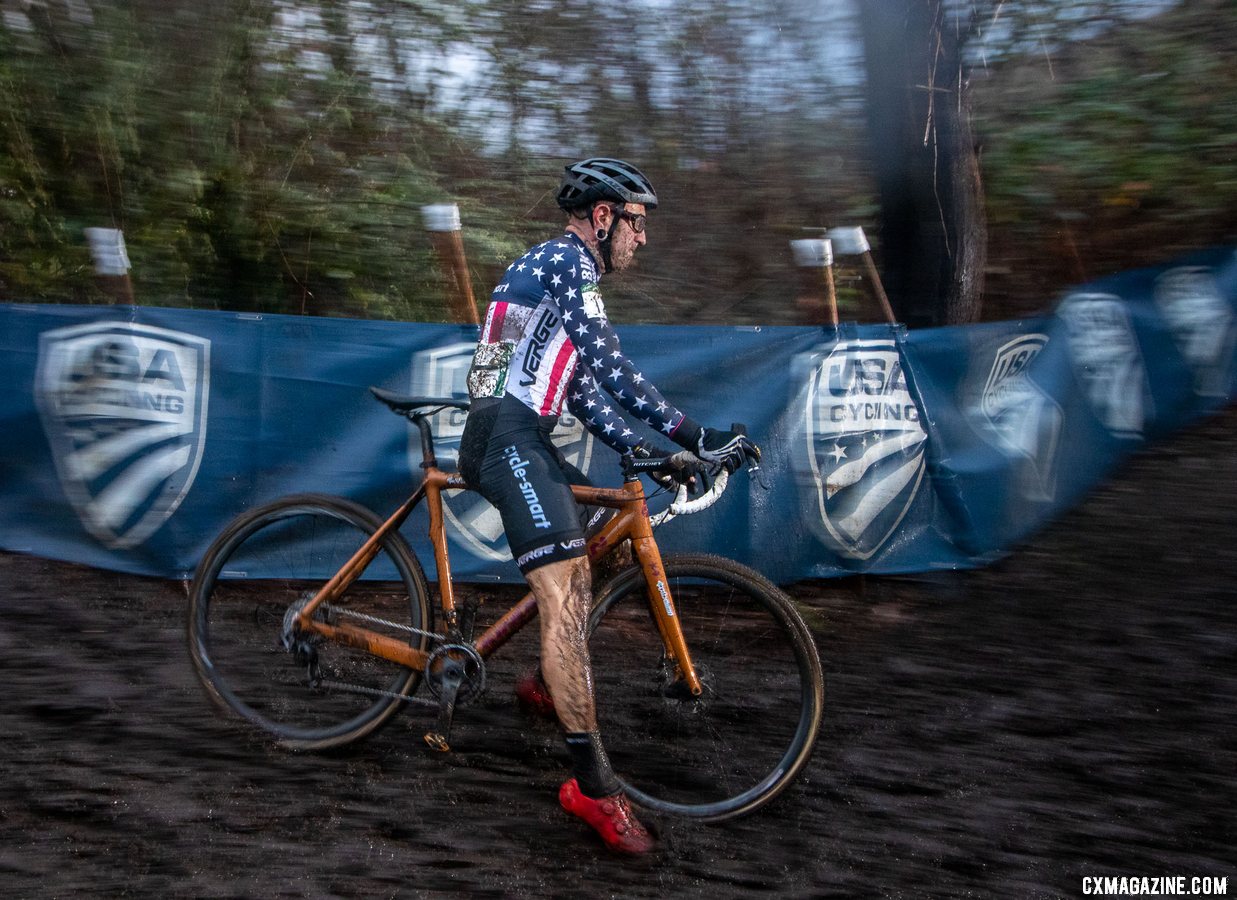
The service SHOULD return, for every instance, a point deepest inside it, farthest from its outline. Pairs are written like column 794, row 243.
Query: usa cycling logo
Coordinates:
column 863, row 447
column 124, row 410
column 443, row 372
column 1019, row 418
column 1201, row 322
column 1108, row 361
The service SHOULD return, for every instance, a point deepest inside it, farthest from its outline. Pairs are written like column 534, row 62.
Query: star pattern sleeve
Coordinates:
column 600, row 355
column 598, row 414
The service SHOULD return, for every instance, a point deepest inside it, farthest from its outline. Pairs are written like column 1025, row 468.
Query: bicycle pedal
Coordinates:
column 304, row 653
column 437, row 742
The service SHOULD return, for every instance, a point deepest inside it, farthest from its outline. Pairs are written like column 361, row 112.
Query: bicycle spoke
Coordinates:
column 305, row 690
column 732, row 748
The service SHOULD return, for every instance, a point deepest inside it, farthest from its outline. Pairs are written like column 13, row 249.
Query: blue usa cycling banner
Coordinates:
column 132, row 435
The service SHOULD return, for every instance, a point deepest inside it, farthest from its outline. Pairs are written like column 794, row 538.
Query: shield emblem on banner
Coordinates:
column 124, row 410
column 864, row 444
column 443, row 372
column 1108, row 361
column 1020, row 419
column 1201, row 322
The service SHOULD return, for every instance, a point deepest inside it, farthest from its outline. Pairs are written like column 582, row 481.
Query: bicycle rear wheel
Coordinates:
column 309, row 693
column 750, row 734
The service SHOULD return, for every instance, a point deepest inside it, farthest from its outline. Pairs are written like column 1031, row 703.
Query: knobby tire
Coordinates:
column 742, row 742
column 279, row 555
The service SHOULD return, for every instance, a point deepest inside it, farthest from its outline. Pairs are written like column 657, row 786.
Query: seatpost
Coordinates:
column 428, row 460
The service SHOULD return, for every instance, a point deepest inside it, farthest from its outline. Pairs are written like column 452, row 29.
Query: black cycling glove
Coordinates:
column 720, row 449
column 683, row 467
column 727, row 449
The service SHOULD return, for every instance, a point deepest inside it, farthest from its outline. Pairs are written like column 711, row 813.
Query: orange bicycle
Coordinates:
column 310, row 618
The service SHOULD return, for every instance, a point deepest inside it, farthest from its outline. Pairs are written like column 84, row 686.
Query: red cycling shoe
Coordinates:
column 534, row 695
column 611, row 817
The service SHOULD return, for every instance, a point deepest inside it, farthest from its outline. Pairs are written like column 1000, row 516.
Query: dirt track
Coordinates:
column 1007, row 732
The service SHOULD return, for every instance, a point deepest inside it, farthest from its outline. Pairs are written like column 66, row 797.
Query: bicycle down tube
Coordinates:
column 632, row 522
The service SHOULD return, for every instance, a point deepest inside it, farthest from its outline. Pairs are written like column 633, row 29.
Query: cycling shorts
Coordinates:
column 507, row 455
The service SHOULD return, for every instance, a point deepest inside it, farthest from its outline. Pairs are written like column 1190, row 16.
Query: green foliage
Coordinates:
column 274, row 156
column 266, row 156
column 244, row 173
column 1116, row 150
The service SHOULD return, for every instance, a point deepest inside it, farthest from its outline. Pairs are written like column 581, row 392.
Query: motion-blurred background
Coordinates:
column 274, row 156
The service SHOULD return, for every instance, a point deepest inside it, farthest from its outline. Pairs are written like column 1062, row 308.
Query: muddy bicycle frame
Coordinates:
column 630, row 522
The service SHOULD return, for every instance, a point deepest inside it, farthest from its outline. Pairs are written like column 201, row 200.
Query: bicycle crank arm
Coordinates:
column 452, row 677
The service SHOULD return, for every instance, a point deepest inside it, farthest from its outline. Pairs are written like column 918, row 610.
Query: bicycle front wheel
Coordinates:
column 738, row 745
column 309, row 693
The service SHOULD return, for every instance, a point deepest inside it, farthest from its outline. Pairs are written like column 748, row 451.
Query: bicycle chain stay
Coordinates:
column 476, row 681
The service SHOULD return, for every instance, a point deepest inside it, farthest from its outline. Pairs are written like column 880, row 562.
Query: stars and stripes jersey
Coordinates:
column 547, row 342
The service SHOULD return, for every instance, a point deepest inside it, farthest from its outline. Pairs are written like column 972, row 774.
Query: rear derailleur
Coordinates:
column 303, row 647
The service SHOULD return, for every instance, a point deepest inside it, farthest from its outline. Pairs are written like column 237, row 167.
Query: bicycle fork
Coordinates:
column 668, row 622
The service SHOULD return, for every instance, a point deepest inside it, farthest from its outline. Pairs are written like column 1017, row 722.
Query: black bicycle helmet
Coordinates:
column 600, row 178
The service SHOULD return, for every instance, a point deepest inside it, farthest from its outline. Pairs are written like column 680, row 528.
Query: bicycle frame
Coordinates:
column 631, row 522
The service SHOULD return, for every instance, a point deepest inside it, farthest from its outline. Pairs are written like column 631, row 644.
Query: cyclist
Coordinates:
column 546, row 343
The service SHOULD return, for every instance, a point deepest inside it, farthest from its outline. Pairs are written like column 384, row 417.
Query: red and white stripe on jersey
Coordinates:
column 564, row 364
column 548, row 313
column 492, row 332
column 554, row 369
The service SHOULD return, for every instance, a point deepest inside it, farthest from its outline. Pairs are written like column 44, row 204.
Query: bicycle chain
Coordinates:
column 349, row 687
column 374, row 620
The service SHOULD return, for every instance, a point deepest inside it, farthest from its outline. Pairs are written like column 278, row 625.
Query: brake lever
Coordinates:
column 755, row 472
column 753, row 465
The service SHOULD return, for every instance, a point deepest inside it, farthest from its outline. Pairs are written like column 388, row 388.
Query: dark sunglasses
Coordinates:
column 636, row 220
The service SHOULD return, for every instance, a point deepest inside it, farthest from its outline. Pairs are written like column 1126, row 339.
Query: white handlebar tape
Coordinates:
column 681, row 506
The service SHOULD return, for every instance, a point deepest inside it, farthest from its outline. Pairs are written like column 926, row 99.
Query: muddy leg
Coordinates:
column 564, row 596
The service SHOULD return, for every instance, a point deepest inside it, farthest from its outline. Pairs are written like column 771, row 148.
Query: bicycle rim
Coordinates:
column 745, row 739
column 307, row 692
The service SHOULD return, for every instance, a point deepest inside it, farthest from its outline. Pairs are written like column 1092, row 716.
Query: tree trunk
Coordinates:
column 933, row 233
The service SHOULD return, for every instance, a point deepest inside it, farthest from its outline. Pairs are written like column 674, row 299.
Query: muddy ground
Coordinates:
column 1066, row 713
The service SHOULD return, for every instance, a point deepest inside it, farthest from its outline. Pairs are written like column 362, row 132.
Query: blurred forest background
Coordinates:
column 274, row 156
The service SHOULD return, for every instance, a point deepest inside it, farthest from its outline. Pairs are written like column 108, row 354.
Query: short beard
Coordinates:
column 618, row 264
